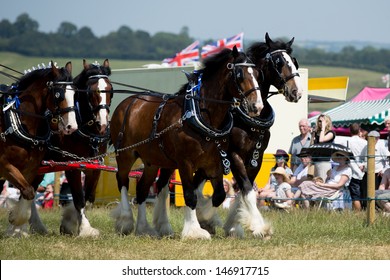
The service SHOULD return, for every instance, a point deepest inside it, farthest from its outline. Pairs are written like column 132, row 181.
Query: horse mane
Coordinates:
column 213, row 63
column 260, row 49
column 44, row 73
column 92, row 70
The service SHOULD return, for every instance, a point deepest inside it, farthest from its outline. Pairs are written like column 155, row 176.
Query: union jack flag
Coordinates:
column 187, row 56
column 229, row 43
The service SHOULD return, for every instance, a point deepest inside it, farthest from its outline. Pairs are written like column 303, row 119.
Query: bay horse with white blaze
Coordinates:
column 42, row 99
column 250, row 137
column 185, row 131
column 93, row 99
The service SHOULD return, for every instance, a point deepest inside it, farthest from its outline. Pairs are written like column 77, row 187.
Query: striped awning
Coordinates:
column 363, row 112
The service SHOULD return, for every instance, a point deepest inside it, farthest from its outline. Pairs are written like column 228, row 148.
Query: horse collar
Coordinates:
column 194, row 119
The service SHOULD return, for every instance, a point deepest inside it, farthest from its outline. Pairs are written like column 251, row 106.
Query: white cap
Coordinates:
column 374, row 133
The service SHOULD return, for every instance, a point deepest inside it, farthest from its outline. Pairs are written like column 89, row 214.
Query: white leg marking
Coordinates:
column 160, row 214
column 123, row 215
column 192, row 229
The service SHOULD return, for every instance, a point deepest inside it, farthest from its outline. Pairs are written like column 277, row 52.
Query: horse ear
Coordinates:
column 268, row 40
column 235, row 51
column 68, row 67
column 85, row 65
column 54, row 69
column 290, row 42
column 106, row 63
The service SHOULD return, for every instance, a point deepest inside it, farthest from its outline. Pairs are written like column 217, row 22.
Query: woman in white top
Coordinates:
column 339, row 176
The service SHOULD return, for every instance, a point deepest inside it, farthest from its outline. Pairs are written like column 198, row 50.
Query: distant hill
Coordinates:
column 338, row 46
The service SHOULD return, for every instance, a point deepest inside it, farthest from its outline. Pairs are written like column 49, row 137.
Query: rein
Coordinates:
column 268, row 58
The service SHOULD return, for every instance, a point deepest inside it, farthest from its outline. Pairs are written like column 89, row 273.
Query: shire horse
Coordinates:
column 250, row 137
column 185, row 131
column 93, row 99
column 40, row 100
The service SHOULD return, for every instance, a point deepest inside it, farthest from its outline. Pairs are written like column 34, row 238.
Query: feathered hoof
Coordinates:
column 39, row 230
column 264, row 232
column 124, row 227
column 89, row 232
column 235, row 232
column 165, row 231
column 17, row 231
column 147, row 231
column 210, row 228
column 196, row 233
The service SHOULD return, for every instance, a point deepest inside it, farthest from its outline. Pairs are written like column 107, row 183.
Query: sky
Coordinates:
column 325, row 20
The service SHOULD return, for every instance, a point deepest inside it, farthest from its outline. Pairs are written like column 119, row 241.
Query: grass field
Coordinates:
column 298, row 235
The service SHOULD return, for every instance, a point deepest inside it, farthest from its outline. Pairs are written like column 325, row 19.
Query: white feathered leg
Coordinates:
column 142, row 226
column 192, row 229
column 205, row 212
column 18, row 218
column 123, row 215
column 70, row 221
column 36, row 224
column 249, row 216
column 160, row 214
column 86, row 230
column 232, row 226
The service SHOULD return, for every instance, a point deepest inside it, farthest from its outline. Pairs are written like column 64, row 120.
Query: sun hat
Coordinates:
column 340, row 153
column 304, row 153
column 282, row 153
column 281, row 171
column 374, row 133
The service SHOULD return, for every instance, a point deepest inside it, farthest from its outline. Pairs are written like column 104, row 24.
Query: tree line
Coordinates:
column 23, row 37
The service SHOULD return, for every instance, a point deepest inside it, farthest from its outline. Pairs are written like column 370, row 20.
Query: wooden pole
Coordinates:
column 371, row 180
column 57, row 185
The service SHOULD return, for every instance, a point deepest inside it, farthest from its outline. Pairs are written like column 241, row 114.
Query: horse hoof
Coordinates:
column 210, row 228
column 17, row 231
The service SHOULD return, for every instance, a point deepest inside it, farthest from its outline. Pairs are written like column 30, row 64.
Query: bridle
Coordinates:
column 98, row 91
column 58, row 89
column 273, row 61
column 238, row 75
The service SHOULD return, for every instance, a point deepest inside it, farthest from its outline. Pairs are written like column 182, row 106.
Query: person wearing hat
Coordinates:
column 381, row 163
column 281, row 158
column 338, row 177
column 283, row 194
column 302, row 172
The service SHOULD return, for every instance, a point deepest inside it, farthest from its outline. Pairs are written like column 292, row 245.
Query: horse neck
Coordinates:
column 33, row 103
column 212, row 111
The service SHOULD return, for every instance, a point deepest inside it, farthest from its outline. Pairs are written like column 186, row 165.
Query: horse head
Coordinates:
column 94, row 93
column 238, row 79
column 279, row 68
column 52, row 91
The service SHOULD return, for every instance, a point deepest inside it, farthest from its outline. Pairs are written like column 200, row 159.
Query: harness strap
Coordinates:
column 157, row 117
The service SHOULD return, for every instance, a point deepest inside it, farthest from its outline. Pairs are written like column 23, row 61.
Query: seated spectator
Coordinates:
column 382, row 195
column 48, row 198
column 337, row 177
column 230, row 194
column 281, row 158
column 302, row 173
column 48, row 179
column 282, row 196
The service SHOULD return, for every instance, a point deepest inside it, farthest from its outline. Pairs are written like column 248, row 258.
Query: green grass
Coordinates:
column 298, row 235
